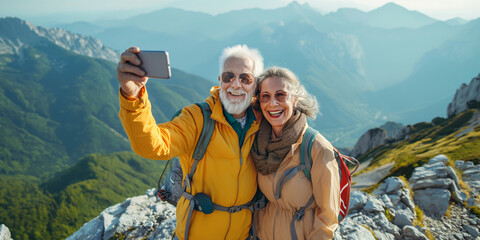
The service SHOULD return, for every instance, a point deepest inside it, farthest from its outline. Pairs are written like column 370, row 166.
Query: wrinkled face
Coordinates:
column 237, row 85
column 276, row 102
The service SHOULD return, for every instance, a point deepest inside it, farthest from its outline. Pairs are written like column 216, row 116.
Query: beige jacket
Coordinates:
column 320, row 220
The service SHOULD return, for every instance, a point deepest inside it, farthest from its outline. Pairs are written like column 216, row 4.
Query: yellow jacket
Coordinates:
column 320, row 219
column 226, row 173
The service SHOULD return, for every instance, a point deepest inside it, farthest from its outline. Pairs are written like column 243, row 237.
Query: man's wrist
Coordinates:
column 130, row 97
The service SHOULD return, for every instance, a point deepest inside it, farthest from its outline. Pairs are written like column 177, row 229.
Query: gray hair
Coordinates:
column 242, row 51
column 306, row 103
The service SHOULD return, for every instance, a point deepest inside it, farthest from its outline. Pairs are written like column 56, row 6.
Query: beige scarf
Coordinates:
column 268, row 153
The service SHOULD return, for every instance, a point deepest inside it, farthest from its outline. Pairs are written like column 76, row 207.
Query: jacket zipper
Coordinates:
column 238, row 176
column 238, row 184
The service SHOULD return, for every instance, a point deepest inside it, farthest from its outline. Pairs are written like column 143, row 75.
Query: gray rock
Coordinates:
column 457, row 195
column 407, row 200
column 472, row 222
column 434, row 202
column 374, row 205
column 451, row 173
column 432, row 183
column 358, row 199
column 394, row 184
column 439, row 158
column 380, row 190
column 429, row 171
column 381, row 235
column 395, row 199
column 386, row 201
column 468, row 165
column 471, row 230
column 459, row 164
column 401, row 219
column 349, row 230
column 458, row 236
column 410, row 232
column 472, row 174
column 5, row 233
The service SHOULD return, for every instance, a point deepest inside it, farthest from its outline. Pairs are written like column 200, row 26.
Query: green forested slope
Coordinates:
column 56, row 208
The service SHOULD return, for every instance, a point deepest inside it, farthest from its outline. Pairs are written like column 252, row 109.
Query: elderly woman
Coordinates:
column 285, row 105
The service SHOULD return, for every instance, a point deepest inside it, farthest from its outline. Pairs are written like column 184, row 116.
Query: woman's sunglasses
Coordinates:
column 245, row 78
column 280, row 96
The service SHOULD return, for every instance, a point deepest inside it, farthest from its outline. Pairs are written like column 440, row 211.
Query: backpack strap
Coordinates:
column 306, row 166
column 306, row 149
column 203, row 141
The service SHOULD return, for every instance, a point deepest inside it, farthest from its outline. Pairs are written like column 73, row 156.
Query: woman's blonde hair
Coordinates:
column 306, row 103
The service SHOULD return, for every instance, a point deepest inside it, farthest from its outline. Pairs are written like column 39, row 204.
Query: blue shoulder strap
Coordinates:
column 207, row 131
column 305, row 150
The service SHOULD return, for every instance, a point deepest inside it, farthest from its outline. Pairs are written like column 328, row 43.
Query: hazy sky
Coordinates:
column 74, row 10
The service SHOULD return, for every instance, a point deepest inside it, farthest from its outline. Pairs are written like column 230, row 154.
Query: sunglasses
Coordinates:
column 245, row 78
column 280, row 96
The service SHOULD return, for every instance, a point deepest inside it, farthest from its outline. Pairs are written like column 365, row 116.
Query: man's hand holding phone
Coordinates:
column 130, row 76
column 135, row 67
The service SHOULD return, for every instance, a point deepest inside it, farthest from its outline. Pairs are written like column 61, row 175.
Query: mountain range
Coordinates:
column 62, row 147
column 365, row 68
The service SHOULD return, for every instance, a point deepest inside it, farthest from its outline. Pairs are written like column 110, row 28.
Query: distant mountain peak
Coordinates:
column 392, row 5
column 456, row 21
column 15, row 33
column 296, row 4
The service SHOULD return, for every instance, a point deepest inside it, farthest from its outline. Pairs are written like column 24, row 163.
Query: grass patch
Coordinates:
column 418, row 217
column 448, row 213
column 475, row 210
column 457, row 123
column 388, row 215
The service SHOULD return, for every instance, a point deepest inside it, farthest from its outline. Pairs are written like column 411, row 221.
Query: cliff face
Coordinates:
column 17, row 33
column 463, row 96
column 372, row 138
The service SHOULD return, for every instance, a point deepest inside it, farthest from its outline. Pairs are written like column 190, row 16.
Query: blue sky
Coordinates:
column 89, row 10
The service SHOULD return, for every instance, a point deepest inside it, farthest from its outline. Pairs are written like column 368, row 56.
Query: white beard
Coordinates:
column 235, row 106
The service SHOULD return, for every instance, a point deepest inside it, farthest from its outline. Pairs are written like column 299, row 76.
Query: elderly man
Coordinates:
column 226, row 173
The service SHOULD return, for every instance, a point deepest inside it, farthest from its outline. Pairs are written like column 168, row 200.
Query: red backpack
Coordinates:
column 343, row 171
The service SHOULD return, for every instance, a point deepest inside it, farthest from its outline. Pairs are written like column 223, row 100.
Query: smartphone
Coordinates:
column 155, row 64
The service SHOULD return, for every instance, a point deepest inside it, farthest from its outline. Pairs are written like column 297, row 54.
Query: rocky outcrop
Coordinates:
column 392, row 129
column 471, row 176
column 372, row 138
column 16, row 34
column 434, row 184
column 463, row 96
column 5, row 233
column 141, row 217
column 403, row 133
column 386, row 214
column 389, row 213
